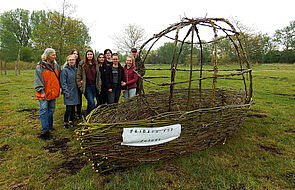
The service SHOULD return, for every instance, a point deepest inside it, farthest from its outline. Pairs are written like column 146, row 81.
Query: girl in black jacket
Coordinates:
column 115, row 80
column 103, row 96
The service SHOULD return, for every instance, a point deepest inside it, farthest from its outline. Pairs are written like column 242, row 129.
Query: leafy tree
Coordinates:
column 165, row 52
column 153, row 57
column 61, row 33
column 26, row 54
column 15, row 30
column 286, row 37
column 255, row 46
column 131, row 37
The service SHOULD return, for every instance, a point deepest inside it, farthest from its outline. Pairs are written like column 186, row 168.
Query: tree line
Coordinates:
column 260, row 48
column 24, row 35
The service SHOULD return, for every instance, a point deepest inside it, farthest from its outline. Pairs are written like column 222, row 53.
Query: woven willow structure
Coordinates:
column 207, row 115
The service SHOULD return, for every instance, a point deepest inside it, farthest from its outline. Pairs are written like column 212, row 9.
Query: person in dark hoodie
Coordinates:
column 115, row 80
column 70, row 90
column 103, row 96
column 108, row 56
column 131, row 77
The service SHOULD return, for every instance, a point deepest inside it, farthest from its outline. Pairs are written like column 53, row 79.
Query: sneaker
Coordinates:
column 78, row 117
column 44, row 135
column 66, row 125
column 71, row 124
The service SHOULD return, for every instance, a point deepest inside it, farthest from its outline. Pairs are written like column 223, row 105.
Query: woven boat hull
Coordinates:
column 205, row 125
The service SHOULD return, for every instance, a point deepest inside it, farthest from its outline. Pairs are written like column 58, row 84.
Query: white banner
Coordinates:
column 150, row 136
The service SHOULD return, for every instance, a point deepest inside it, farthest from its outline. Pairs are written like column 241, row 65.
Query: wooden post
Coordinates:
column 5, row 67
column 1, row 65
column 18, row 67
column 17, row 63
column 201, row 62
column 189, row 98
column 173, row 69
column 215, row 68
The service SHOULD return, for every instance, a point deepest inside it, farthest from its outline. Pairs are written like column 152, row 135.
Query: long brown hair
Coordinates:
column 104, row 64
column 78, row 58
column 86, row 61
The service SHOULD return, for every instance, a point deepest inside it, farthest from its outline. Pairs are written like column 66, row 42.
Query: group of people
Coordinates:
column 100, row 78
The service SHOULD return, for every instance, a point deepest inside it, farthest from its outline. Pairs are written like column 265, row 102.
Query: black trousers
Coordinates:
column 79, row 106
column 103, row 95
column 70, row 113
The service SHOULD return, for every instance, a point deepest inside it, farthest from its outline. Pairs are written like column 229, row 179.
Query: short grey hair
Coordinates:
column 46, row 53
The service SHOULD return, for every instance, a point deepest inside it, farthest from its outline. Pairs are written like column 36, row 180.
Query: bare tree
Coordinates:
column 130, row 37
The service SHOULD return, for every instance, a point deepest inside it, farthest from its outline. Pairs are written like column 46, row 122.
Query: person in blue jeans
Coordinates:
column 88, row 79
column 47, row 88
column 115, row 80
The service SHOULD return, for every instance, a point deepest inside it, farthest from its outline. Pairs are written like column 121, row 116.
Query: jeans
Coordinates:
column 46, row 114
column 114, row 96
column 90, row 94
column 129, row 93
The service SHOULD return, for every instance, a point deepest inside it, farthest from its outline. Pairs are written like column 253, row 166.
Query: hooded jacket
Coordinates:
column 69, row 85
column 81, row 76
column 130, row 76
column 109, row 77
column 47, row 80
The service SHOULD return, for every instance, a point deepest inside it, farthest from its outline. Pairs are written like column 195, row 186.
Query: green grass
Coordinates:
column 260, row 156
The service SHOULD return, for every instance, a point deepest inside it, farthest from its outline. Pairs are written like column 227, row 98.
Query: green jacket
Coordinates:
column 81, row 76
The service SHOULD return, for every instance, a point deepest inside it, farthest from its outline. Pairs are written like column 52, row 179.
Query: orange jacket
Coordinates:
column 47, row 80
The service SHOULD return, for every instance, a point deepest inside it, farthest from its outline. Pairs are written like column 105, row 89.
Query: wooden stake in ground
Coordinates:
column 5, row 67
column 17, row 64
column 1, row 65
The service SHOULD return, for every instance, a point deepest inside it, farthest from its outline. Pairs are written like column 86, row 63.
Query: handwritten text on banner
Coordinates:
column 150, row 136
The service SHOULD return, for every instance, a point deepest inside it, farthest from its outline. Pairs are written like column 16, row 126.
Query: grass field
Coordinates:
column 260, row 156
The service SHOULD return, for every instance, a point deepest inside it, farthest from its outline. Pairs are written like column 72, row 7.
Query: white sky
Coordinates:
column 105, row 18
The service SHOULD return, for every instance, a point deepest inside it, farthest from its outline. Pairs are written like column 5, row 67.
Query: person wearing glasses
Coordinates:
column 88, row 79
column 115, row 80
column 108, row 56
column 103, row 96
column 70, row 90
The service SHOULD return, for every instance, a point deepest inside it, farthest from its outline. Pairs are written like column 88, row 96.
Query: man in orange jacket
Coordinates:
column 47, row 88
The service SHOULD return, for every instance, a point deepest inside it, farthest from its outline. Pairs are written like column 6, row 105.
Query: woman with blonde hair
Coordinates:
column 70, row 90
column 131, row 77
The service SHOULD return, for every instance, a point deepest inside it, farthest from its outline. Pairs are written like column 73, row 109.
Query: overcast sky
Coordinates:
column 106, row 18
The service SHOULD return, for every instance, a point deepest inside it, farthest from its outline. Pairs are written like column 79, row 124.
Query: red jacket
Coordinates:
column 130, row 76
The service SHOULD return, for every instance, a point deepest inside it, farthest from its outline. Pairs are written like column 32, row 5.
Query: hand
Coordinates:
column 110, row 90
column 81, row 81
column 123, row 91
column 123, row 83
column 43, row 96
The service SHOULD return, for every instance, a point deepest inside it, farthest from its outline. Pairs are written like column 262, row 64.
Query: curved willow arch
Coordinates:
column 194, row 26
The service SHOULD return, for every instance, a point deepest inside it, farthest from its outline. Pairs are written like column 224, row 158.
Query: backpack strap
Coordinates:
column 47, row 66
